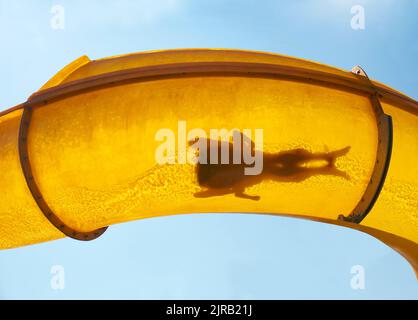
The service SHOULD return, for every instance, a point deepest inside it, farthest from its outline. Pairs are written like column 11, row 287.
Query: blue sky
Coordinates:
column 208, row 256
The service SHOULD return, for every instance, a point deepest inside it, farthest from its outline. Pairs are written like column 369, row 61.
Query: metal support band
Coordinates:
column 381, row 166
column 35, row 191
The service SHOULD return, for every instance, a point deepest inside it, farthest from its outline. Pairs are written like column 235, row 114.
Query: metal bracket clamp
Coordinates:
column 383, row 155
column 35, row 191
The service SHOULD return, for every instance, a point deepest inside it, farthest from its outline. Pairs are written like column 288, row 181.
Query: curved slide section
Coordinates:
column 196, row 131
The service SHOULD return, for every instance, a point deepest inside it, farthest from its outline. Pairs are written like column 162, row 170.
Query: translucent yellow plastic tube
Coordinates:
column 91, row 144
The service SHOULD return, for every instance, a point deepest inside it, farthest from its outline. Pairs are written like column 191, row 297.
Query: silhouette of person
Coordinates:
column 294, row 165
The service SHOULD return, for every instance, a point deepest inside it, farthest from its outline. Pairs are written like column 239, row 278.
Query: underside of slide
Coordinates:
column 81, row 153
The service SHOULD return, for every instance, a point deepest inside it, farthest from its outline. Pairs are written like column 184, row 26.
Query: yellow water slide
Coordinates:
column 84, row 151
